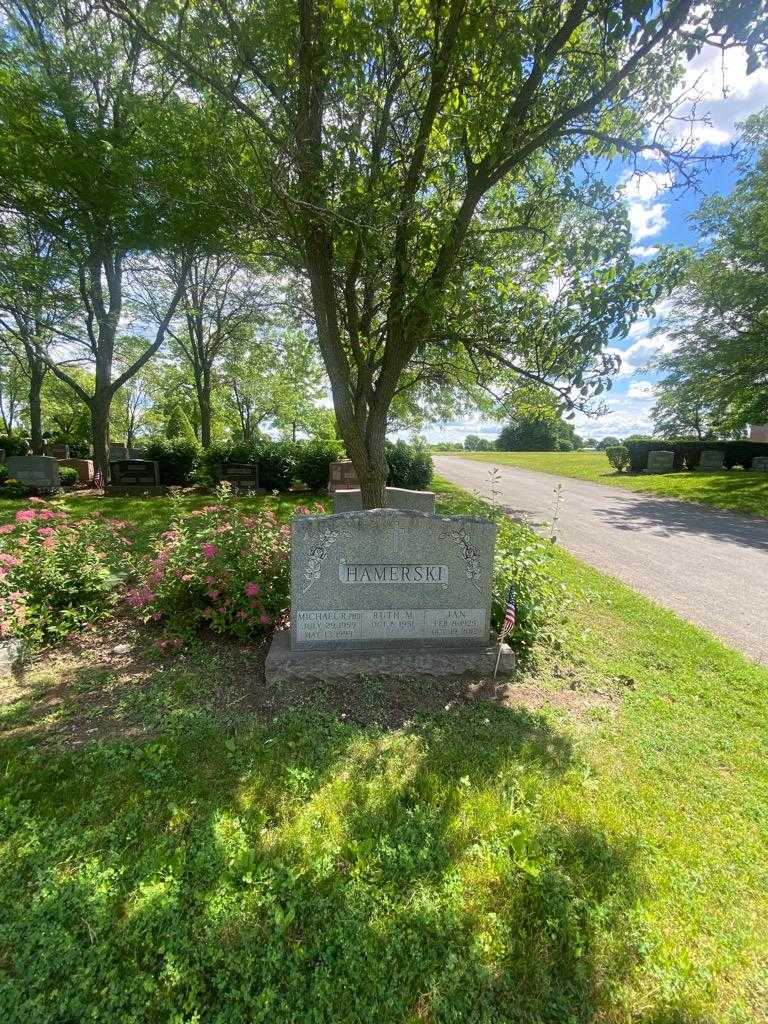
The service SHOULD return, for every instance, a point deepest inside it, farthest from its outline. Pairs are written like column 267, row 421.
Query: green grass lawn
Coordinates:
column 734, row 489
column 589, row 844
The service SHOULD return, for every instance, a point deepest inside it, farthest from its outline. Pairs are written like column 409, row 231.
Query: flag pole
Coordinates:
column 498, row 659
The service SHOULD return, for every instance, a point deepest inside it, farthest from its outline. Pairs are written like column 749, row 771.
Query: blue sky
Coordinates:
column 724, row 96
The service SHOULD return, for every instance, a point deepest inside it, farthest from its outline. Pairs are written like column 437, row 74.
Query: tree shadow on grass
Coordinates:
column 312, row 871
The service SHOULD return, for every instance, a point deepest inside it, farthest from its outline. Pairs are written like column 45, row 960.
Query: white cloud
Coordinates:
column 722, row 92
column 647, row 185
column 642, row 389
column 646, row 221
column 647, row 216
column 646, row 348
column 641, row 252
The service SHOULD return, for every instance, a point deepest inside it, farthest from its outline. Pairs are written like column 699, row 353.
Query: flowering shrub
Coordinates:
column 219, row 567
column 58, row 573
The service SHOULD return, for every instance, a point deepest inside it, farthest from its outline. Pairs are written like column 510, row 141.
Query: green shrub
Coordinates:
column 688, row 453
column 177, row 460
column 410, row 466
column 67, row 476
column 618, row 456
column 58, row 573
column 277, row 464
column 13, row 444
column 219, row 568
column 280, row 462
column 79, row 450
column 10, row 488
column 522, row 558
column 178, row 426
column 313, row 459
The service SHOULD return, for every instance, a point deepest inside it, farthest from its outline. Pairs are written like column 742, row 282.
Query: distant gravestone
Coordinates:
column 84, row 469
column 117, row 452
column 132, row 476
column 135, row 453
column 759, row 432
column 760, row 462
column 660, row 462
column 242, row 475
column 711, row 459
column 342, row 476
column 40, row 471
column 397, row 497
column 57, row 451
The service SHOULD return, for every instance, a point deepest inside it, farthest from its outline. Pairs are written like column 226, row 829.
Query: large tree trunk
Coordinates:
column 99, row 406
column 36, row 376
column 204, row 404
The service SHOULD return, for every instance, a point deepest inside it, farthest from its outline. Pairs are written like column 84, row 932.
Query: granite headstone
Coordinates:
column 242, row 475
column 760, row 462
column 84, row 469
column 660, row 462
column 759, row 432
column 390, row 578
column 40, row 471
column 397, row 497
column 57, row 451
column 711, row 459
column 134, row 473
column 342, row 476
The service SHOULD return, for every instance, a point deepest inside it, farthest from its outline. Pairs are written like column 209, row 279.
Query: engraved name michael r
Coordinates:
column 357, row 572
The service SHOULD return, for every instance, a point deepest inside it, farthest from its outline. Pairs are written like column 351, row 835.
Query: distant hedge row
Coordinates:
column 280, row 462
column 688, row 453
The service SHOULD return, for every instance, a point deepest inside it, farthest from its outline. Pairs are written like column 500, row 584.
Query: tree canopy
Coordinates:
column 392, row 142
column 716, row 377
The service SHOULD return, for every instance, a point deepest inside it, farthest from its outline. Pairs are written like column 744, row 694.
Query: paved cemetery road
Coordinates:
column 710, row 567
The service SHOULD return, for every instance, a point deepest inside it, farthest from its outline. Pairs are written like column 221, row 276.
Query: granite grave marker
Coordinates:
column 397, row 497
column 242, row 475
column 342, row 476
column 139, row 473
column 40, row 471
column 84, row 469
column 760, row 462
column 660, row 462
column 390, row 578
column 711, row 459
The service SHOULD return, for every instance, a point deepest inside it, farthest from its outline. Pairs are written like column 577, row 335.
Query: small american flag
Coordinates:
column 510, row 614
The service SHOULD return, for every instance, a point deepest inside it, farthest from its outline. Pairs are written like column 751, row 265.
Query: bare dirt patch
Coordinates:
column 113, row 681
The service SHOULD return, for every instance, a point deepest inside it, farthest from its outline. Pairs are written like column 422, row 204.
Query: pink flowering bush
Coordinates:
column 58, row 573
column 220, row 568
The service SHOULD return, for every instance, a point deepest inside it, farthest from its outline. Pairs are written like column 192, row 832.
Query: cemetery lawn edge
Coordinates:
column 734, row 490
column 491, row 862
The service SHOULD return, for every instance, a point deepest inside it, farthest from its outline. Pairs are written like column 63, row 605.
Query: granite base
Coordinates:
column 283, row 664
